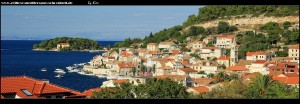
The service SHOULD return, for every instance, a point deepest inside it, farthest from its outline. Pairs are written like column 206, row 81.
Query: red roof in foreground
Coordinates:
column 90, row 91
column 201, row 89
column 236, row 68
column 34, row 86
column 287, row 80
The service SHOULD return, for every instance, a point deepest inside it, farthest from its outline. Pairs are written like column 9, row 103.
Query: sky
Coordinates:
column 102, row 23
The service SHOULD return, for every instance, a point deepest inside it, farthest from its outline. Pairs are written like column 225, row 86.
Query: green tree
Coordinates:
column 286, row 24
column 210, row 44
column 222, row 27
column 223, row 66
column 210, row 75
column 258, row 88
column 281, row 53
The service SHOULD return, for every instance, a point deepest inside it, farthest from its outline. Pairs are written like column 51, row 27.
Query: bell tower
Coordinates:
column 233, row 53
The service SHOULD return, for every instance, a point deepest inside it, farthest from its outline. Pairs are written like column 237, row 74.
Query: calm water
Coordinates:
column 17, row 59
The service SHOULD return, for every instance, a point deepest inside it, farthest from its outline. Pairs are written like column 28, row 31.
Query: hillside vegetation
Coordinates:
column 209, row 13
column 261, row 35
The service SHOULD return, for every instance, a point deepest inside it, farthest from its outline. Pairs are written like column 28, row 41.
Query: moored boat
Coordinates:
column 59, row 71
column 59, row 76
column 43, row 69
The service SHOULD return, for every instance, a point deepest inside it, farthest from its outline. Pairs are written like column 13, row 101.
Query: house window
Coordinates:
column 26, row 92
column 292, row 71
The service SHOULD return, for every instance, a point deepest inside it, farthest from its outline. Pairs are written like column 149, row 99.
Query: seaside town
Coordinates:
column 165, row 60
column 197, row 68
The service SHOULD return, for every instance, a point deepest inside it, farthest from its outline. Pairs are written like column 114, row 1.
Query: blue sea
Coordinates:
column 17, row 58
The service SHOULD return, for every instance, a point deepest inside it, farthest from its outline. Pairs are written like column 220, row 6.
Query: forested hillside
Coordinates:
column 209, row 13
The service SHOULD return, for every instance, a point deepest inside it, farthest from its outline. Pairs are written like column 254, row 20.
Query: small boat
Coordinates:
column 81, row 64
column 59, row 76
column 81, row 72
column 69, row 67
column 59, row 71
column 43, row 69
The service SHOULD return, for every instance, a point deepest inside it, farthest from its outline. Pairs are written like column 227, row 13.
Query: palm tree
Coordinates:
column 262, row 82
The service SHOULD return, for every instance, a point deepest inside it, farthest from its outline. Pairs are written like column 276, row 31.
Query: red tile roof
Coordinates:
column 294, row 46
column 142, row 50
column 125, row 65
column 287, row 80
column 36, row 87
column 90, row 91
column 203, row 81
column 185, row 63
column 187, row 70
column 154, row 52
column 175, row 52
column 201, row 89
column 111, row 57
column 237, row 68
column 260, row 61
column 63, row 43
column 226, row 36
column 120, row 81
column 125, row 54
column 256, row 53
column 224, row 58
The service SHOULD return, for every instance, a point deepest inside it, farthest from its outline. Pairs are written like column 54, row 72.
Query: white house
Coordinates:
column 224, row 41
